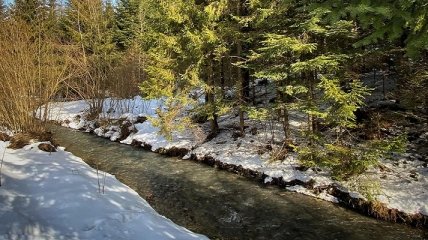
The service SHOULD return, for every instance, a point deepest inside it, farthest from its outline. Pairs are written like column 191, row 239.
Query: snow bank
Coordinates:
column 72, row 114
column 56, row 196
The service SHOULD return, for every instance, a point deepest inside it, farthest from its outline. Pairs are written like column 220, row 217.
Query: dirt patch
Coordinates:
column 4, row 137
column 47, row 147
column 229, row 167
column 173, row 152
column 126, row 129
column 139, row 144
column 376, row 209
column 141, row 119
column 21, row 140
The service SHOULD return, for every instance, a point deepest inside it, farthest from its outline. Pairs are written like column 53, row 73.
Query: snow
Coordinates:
column 147, row 133
column 71, row 114
column 322, row 195
column 56, row 196
column 402, row 192
column 397, row 189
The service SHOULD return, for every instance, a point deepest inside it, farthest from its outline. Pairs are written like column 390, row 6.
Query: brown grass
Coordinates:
column 21, row 140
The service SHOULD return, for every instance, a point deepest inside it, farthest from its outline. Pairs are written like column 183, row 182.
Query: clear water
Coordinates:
column 222, row 205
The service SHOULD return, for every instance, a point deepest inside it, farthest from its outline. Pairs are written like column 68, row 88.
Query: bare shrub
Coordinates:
column 279, row 153
column 126, row 76
column 32, row 68
column 90, row 30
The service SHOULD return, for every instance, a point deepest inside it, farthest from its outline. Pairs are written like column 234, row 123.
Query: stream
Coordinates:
column 222, row 205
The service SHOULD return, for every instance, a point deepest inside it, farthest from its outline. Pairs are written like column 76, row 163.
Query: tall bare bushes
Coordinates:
column 89, row 25
column 32, row 68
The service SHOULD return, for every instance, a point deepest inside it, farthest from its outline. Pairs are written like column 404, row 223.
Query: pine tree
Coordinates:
column 186, row 48
column 402, row 22
column 27, row 9
column 2, row 10
column 169, row 66
column 242, row 78
column 310, row 60
column 127, row 22
column 51, row 18
column 390, row 29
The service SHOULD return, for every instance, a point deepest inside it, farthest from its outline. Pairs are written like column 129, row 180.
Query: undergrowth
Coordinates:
column 345, row 160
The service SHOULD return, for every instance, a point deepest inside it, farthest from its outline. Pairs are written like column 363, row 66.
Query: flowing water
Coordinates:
column 222, row 205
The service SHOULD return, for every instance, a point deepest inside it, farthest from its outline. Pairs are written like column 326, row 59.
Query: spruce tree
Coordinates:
column 169, row 64
column 27, row 9
column 127, row 22
column 2, row 10
column 187, row 47
column 401, row 22
column 310, row 59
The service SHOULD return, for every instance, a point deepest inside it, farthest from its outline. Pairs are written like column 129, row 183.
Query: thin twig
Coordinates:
column 98, row 180
column 104, row 181
column 1, row 164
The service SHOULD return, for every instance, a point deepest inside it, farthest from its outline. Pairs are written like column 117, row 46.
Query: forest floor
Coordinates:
column 58, row 196
column 399, row 186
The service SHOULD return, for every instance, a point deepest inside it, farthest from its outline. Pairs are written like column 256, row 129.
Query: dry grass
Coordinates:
column 20, row 140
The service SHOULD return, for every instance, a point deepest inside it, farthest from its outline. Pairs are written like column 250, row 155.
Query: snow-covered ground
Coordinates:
column 58, row 196
column 403, row 183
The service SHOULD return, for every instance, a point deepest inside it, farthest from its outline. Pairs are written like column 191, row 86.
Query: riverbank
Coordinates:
column 400, row 194
column 58, row 196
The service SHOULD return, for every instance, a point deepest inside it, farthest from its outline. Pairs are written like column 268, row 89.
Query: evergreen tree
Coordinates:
column 52, row 17
column 27, row 9
column 127, row 22
column 390, row 28
column 187, row 46
column 2, row 10
column 310, row 60
column 401, row 22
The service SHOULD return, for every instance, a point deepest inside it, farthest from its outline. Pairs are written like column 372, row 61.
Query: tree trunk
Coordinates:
column 282, row 112
column 285, row 116
column 246, row 84
column 222, row 78
column 211, row 98
column 242, row 78
column 313, row 79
